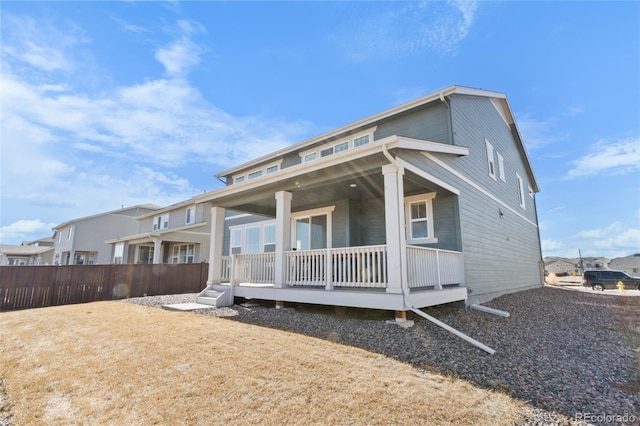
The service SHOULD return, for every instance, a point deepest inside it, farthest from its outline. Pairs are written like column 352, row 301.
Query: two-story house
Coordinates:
column 429, row 202
column 175, row 234
column 83, row 241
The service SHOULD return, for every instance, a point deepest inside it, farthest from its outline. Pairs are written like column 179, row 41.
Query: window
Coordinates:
column 183, row 253
column 255, row 174
column 326, row 152
column 273, row 169
column 341, row 147
column 236, row 241
column 252, row 240
column 70, row 232
column 362, row 140
column 501, row 167
column 520, row 191
column 419, row 219
column 239, row 179
column 490, row 161
column 161, row 222
column 145, row 254
column 310, row 157
column 59, row 235
column 312, row 229
column 118, row 253
column 190, row 215
column 269, row 242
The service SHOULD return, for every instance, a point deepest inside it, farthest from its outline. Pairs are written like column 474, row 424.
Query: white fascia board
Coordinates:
column 439, row 94
column 372, row 148
column 428, row 146
column 418, row 171
column 170, row 208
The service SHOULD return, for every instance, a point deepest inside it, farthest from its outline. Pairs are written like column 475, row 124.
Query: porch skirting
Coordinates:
column 354, row 298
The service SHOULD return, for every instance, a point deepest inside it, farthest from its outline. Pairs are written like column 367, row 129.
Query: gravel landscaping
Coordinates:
column 571, row 355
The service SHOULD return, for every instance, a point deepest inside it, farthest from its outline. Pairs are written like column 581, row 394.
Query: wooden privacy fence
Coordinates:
column 23, row 287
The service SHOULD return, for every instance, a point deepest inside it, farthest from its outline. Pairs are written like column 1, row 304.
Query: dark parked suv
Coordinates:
column 601, row 279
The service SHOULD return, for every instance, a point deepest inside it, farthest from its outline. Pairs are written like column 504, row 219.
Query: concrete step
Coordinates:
column 211, row 293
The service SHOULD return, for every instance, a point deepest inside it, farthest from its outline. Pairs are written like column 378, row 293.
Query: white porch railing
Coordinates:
column 258, row 268
column 362, row 267
column 427, row 267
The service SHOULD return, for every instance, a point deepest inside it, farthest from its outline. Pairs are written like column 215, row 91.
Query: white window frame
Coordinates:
column 118, row 253
column 428, row 200
column 175, row 258
column 256, row 173
column 520, row 187
column 238, row 179
column 239, row 231
column 322, row 211
column 245, row 242
column 344, row 144
column 267, row 242
column 190, row 215
column 161, row 222
column 70, row 232
column 491, row 164
column 501, row 167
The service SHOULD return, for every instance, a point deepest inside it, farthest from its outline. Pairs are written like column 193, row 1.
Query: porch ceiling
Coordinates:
column 360, row 179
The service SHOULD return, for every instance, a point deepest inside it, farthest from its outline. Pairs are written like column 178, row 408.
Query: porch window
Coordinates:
column 312, row 229
column 236, row 241
column 183, row 253
column 419, row 219
column 145, row 254
column 270, row 238
column 252, row 240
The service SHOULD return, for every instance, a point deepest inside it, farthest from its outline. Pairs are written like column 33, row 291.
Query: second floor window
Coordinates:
column 161, row 222
column 190, row 215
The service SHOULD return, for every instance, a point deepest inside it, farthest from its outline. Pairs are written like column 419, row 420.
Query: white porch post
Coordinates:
column 215, row 245
column 393, row 217
column 157, row 250
column 283, row 234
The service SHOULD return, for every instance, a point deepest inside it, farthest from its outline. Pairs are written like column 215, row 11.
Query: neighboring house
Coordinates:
column 175, row 234
column 629, row 264
column 560, row 266
column 82, row 241
column 38, row 252
column 593, row 263
column 426, row 203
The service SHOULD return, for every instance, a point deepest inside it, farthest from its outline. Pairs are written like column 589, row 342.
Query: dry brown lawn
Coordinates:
column 114, row 363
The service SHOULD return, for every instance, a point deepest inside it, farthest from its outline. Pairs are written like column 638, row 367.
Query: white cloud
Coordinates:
column 609, row 157
column 25, row 230
column 613, row 240
column 68, row 154
column 408, row 28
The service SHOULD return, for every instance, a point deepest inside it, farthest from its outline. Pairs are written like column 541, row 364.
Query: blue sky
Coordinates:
column 105, row 104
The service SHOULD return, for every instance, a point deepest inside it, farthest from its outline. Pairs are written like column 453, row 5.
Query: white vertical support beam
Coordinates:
column 157, row 250
column 392, row 228
column 439, row 266
column 215, row 246
column 283, row 234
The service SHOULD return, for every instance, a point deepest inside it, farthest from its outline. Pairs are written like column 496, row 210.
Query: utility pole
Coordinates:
column 581, row 263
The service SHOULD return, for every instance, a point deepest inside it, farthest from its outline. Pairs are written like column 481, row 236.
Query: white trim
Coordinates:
column 350, row 141
column 256, row 172
column 476, row 186
column 418, row 171
column 322, row 211
column 428, row 200
column 501, row 167
column 372, row 148
column 491, row 163
column 520, row 188
column 368, row 121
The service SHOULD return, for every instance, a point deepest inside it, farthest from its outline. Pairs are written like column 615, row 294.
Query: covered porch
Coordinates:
column 372, row 231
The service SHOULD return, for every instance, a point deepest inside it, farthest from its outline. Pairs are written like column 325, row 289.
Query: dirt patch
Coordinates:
column 118, row 363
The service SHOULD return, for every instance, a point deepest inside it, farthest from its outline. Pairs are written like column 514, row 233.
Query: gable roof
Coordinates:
column 114, row 212
column 498, row 99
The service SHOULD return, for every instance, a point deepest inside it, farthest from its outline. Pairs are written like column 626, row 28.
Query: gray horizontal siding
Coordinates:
column 431, row 123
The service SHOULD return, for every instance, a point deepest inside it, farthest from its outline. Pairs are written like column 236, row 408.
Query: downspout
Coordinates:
column 403, row 250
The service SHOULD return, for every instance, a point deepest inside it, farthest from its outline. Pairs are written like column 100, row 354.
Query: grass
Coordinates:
column 113, row 363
